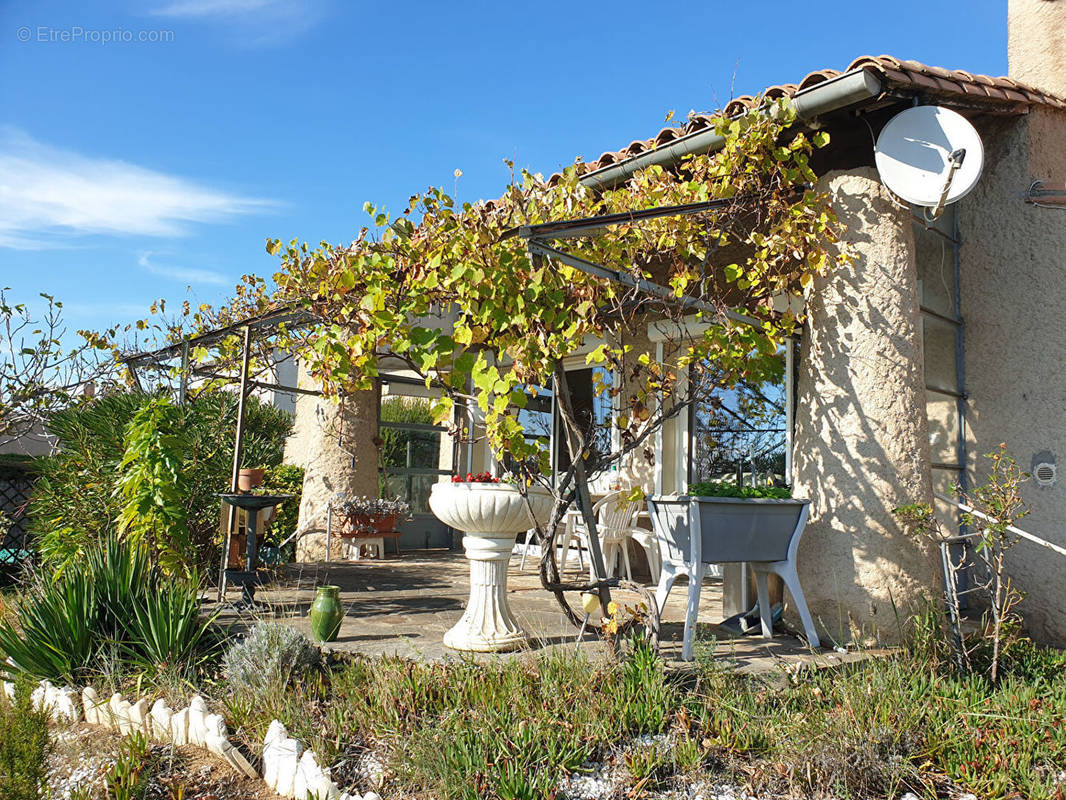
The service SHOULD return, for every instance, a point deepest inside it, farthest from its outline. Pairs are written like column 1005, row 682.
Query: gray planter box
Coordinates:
column 765, row 533
column 735, row 529
column 732, row 529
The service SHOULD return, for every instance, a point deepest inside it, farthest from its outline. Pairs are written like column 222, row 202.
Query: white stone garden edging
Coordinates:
column 289, row 768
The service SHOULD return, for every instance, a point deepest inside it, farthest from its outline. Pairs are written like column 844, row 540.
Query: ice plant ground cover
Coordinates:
column 585, row 725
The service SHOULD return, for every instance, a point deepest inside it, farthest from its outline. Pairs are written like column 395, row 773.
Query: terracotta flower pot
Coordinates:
column 365, row 523
column 248, row 479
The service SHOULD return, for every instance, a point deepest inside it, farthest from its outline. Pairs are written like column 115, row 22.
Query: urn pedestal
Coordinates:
column 491, row 515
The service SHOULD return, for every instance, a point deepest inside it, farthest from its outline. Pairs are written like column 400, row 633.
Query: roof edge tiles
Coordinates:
column 894, row 74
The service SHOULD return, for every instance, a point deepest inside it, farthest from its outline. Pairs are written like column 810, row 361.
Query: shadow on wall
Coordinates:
column 862, row 444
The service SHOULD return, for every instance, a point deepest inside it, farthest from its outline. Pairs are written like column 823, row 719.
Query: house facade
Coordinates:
column 940, row 341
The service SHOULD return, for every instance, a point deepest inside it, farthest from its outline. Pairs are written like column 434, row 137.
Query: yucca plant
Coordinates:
column 54, row 631
column 121, row 572
column 166, row 631
column 113, row 600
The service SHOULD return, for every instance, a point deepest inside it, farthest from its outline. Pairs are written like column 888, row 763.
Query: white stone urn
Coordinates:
column 491, row 515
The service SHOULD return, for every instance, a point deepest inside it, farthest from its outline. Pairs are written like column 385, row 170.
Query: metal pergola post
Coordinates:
column 238, row 441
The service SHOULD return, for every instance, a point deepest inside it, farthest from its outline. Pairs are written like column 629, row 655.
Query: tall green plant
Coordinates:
column 76, row 501
column 152, row 485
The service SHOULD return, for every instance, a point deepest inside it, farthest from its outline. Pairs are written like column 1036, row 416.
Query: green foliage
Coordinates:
column 76, row 498
column 472, row 729
column 51, row 632
column 268, row 659
column 997, row 506
column 166, row 633
column 152, row 485
column 284, row 479
column 24, row 746
column 113, row 599
column 727, row 489
column 129, row 777
column 512, row 317
column 875, row 728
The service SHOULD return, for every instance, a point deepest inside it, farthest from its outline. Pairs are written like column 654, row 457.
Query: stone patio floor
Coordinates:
column 403, row 606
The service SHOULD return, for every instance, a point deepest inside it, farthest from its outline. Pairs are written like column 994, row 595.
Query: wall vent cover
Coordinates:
column 1045, row 473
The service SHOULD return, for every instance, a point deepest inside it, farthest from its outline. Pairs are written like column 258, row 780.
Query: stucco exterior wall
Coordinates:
column 861, row 445
column 1013, row 265
column 334, row 443
column 1036, row 43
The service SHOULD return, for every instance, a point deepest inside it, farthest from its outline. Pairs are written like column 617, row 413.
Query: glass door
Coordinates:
column 410, row 456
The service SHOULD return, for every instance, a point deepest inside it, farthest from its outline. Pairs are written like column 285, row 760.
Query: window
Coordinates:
column 590, row 393
column 942, row 341
column 740, row 434
column 410, row 452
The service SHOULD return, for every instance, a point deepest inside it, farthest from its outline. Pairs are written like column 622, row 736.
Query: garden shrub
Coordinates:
column 152, row 482
column 284, row 479
column 24, row 746
column 112, row 600
column 76, row 500
column 268, row 659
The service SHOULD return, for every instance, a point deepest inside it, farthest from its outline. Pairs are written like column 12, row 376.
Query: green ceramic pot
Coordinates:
column 326, row 614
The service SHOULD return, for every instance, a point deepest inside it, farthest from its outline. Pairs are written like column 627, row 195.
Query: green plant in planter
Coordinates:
column 726, row 489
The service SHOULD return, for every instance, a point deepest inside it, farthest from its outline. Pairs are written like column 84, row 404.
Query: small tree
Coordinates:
column 997, row 507
column 41, row 372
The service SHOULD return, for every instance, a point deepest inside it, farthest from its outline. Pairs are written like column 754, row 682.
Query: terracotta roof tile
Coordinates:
column 894, row 73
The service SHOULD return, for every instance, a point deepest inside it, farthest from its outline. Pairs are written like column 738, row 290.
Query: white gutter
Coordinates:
column 836, row 93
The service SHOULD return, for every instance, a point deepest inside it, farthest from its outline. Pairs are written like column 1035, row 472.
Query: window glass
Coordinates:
column 939, row 343
column 936, row 269
column 410, row 451
column 943, row 412
column 739, row 433
column 591, row 392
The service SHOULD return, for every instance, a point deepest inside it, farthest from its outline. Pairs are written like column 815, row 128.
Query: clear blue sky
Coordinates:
column 129, row 170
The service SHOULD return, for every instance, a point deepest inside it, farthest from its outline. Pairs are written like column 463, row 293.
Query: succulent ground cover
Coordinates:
column 568, row 726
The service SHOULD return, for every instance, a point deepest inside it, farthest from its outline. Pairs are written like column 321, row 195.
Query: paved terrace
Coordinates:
column 403, row 606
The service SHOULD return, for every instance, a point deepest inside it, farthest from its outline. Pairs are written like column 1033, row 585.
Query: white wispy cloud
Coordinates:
column 256, row 22
column 183, row 274
column 217, row 8
column 50, row 196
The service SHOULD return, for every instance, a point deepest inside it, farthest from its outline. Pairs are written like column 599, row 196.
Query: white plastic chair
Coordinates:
column 616, row 525
column 677, row 527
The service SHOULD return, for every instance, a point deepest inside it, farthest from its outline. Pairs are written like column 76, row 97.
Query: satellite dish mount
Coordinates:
column 929, row 156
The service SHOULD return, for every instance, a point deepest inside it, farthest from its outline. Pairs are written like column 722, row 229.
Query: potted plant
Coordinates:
column 491, row 513
column 249, row 478
column 365, row 514
column 746, row 523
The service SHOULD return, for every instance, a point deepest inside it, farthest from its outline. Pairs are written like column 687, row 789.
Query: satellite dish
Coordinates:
column 929, row 156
